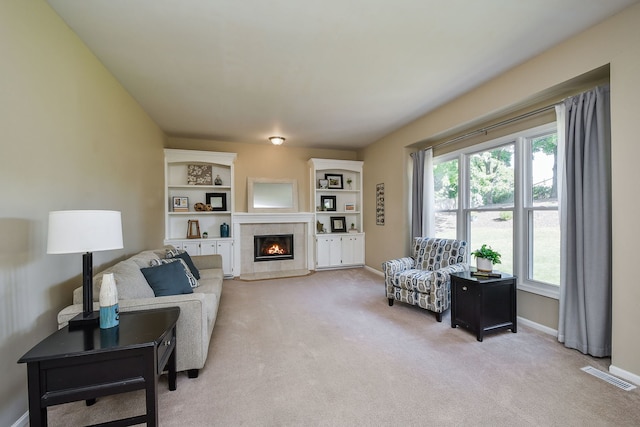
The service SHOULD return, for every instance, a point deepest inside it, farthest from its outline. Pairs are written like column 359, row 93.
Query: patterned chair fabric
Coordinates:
column 423, row 279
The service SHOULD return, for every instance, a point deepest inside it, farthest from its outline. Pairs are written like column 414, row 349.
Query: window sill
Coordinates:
column 545, row 290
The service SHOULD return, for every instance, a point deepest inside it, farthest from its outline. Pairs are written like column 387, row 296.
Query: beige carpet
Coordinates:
column 327, row 350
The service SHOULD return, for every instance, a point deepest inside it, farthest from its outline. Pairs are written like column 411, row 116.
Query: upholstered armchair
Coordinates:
column 423, row 279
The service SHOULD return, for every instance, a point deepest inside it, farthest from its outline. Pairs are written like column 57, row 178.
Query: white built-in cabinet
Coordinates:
column 337, row 203
column 221, row 195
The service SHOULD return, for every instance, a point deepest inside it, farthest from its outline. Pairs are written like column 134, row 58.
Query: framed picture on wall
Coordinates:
column 338, row 224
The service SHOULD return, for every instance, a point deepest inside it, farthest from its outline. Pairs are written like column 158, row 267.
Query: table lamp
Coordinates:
column 84, row 231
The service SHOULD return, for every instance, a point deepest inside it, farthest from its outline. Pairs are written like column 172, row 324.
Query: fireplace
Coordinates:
column 273, row 247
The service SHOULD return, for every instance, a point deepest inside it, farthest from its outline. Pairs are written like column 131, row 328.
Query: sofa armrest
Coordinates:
column 192, row 329
column 205, row 262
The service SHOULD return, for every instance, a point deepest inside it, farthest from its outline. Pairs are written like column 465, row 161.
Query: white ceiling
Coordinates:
column 326, row 74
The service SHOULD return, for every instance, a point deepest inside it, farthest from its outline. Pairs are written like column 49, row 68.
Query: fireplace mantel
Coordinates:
column 272, row 218
column 245, row 218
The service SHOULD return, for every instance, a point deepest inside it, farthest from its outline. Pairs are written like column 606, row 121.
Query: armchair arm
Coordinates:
column 394, row 266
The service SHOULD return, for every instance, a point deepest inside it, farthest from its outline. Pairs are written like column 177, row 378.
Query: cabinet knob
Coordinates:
column 464, row 288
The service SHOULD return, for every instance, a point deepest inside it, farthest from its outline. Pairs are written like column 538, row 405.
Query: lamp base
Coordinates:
column 83, row 320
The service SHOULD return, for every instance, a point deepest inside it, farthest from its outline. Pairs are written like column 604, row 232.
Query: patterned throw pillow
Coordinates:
column 177, row 253
column 193, row 282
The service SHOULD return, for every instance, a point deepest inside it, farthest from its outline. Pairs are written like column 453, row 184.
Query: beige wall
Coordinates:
column 613, row 42
column 72, row 138
column 265, row 161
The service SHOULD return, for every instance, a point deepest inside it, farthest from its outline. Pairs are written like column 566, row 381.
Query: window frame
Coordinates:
column 522, row 210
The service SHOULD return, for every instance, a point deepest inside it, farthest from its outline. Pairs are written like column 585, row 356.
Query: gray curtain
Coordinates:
column 585, row 207
column 417, row 194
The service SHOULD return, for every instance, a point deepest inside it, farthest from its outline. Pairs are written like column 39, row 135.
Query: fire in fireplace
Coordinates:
column 273, row 247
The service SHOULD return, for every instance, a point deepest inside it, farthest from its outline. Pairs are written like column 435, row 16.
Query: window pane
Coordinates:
column 491, row 180
column 544, row 179
column 495, row 229
column 446, row 225
column 546, row 247
column 445, row 177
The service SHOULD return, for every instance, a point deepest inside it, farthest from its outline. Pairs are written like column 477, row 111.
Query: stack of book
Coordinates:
column 491, row 274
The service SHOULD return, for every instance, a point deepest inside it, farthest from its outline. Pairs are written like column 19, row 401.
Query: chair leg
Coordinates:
column 192, row 373
column 390, row 302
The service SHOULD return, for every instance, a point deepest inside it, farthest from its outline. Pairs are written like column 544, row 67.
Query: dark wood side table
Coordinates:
column 84, row 364
column 483, row 304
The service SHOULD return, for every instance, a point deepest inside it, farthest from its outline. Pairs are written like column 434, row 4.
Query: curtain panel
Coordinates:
column 585, row 216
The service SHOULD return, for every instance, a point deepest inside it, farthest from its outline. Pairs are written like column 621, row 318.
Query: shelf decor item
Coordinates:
column 349, row 181
column 180, row 204
column 349, row 207
column 335, row 180
column 323, row 183
column 199, row 175
column 224, row 230
column 486, row 258
column 338, row 224
column 193, row 229
column 328, row 203
column 217, row 201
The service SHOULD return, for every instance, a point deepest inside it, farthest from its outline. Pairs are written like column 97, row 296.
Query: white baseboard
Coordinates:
column 373, row 270
column 23, row 421
column 625, row 374
column 538, row 326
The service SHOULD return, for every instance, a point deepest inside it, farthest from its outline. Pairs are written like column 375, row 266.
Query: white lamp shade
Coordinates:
column 84, row 231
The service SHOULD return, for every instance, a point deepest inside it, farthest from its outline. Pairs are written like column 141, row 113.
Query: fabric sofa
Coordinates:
column 198, row 309
column 424, row 278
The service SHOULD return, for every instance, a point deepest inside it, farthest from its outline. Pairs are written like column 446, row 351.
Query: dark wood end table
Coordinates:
column 87, row 363
column 483, row 304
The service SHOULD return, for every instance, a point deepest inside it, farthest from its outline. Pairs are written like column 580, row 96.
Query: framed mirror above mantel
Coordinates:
column 269, row 195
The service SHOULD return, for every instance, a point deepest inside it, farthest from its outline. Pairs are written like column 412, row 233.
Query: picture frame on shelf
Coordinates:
column 217, row 201
column 328, row 203
column 348, row 207
column 199, row 175
column 338, row 224
column 180, row 204
column 335, row 180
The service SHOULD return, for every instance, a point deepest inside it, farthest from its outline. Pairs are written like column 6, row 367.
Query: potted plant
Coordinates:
column 349, row 181
column 486, row 258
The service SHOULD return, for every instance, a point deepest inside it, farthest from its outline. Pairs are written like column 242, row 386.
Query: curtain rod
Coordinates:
column 493, row 126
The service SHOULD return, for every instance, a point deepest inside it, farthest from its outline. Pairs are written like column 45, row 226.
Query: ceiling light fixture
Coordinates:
column 276, row 140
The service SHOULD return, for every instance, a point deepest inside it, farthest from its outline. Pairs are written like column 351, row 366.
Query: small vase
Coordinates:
column 224, row 230
column 483, row 264
column 109, row 310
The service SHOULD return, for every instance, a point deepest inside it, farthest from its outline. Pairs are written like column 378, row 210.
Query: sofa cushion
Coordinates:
column 186, row 258
column 130, row 282
column 193, row 282
column 167, row 279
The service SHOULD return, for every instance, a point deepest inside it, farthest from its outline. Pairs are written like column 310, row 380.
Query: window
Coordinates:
column 505, row 193
column 446, row 198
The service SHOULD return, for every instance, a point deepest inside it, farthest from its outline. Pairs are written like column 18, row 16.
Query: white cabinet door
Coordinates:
column 225, row 249
column 192, row 248
column 353, row 250
column 209, row 247
column 328, row 251
column 222, row 247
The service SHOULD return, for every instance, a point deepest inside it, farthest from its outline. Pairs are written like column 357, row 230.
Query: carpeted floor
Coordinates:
column 327, row 350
